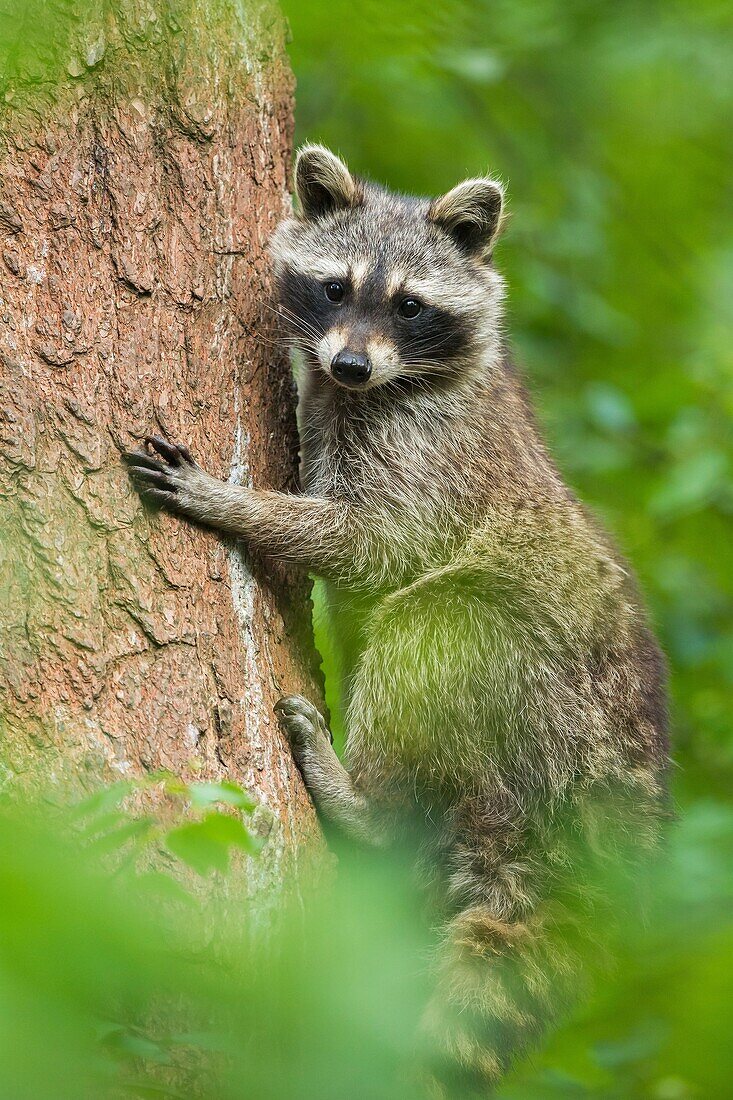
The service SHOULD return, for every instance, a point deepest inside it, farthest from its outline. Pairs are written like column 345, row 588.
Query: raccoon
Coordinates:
column 505, row 700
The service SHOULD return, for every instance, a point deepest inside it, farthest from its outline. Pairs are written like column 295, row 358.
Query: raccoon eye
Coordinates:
column 409, row 308
column 334, row 291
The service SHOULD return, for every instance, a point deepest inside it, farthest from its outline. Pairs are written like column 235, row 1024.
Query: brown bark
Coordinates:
column 139, row 183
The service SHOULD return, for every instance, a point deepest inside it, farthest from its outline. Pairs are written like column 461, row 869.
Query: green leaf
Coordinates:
column 102, row 824
column 205, row 845
column 205, row 794
column 132, row 1043
column 104, row 800
column 136, row 829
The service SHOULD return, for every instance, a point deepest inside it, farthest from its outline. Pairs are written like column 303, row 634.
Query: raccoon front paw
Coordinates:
column 170, row 477
column 303, row 724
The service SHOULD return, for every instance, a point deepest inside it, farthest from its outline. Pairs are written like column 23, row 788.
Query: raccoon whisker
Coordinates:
column 415, row 379
column 412, row 374
column 303, row 336
column 280, row 311
column 302, row 326
column 421, row 341
column 397, row 385
column 289, row 318
column 298, row 343
column 420, row 368
column 421, row 344
column 308, row 334
column 417, row 354
column 286, row 343
column 272, row 341
column 299, row 326
column 434, row 366
column 418, row 345
column 271, row 309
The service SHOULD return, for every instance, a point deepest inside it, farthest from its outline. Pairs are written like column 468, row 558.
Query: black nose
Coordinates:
column 350, row 368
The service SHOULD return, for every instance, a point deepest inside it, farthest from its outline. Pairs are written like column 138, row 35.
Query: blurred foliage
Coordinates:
column 132, row 967
column 610, row 123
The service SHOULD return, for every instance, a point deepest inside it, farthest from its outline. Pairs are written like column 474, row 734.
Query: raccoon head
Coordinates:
column 378, row 288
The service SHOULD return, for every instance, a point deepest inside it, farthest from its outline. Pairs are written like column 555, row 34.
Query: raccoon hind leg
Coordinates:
column 328, row 782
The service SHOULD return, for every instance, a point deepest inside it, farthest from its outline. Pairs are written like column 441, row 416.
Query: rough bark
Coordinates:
column 143, row 164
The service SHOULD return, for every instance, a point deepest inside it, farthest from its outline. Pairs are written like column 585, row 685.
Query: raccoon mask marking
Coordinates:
column 377, row 288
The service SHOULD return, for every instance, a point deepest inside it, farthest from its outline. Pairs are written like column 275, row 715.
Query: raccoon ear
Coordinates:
column 471, row 214
column 323, row 183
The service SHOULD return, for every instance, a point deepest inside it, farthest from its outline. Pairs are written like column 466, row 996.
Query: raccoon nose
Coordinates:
column 350, row 368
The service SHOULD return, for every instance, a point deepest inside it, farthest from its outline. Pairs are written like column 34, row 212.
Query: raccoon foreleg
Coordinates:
column 308, row 531
column 328, row 782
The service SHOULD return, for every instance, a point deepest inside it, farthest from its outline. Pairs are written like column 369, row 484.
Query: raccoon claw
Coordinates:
column 174, row 453
column 300, row 720
column 150, row 478
column 161, row 477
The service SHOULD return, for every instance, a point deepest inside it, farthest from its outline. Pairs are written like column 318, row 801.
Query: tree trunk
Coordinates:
column 144, row 153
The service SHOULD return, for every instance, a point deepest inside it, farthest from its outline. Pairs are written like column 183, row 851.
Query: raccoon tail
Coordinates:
column 500, row 986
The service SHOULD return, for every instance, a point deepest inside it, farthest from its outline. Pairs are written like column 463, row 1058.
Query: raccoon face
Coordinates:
column 378, row 289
